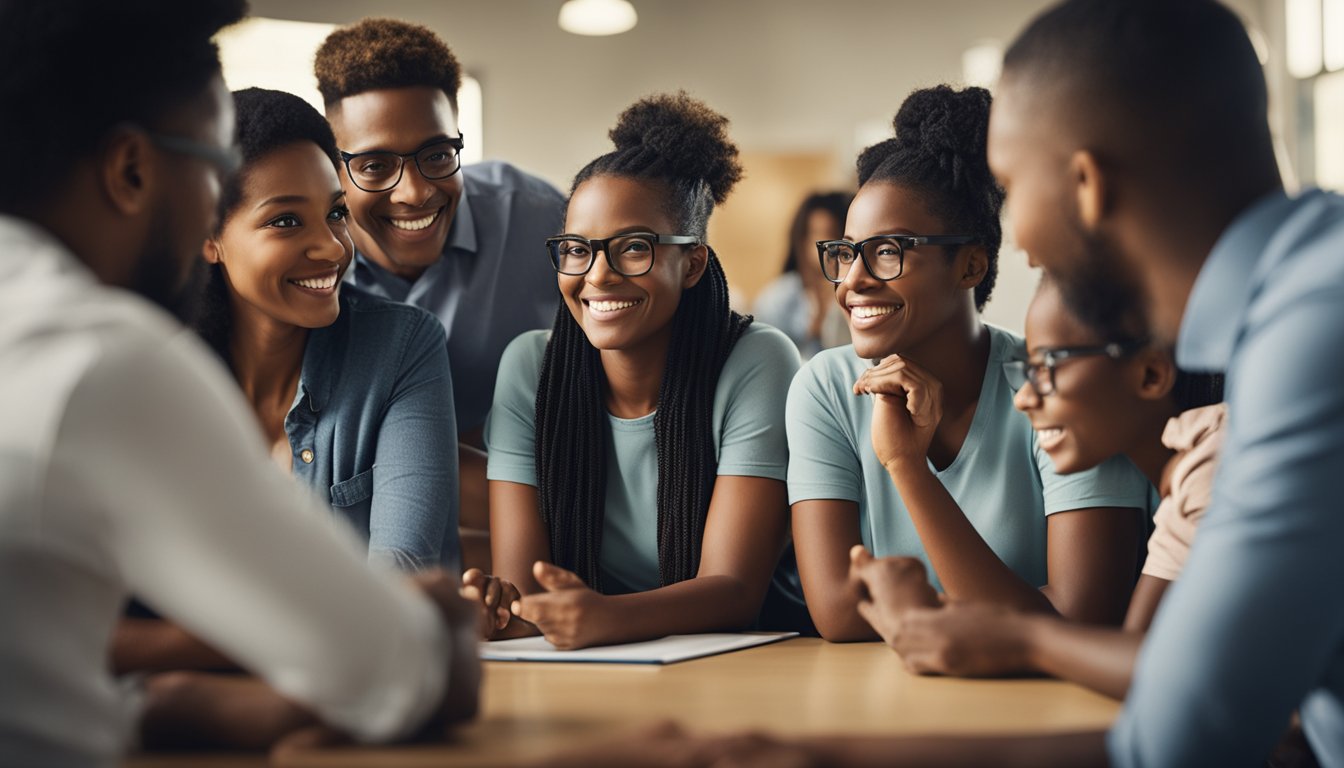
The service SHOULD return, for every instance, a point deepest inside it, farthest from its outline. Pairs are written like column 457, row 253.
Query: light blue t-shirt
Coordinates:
column 749, row 440
column 1004, row 483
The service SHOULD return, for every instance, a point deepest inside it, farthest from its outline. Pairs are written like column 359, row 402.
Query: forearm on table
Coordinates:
column 197, row 710
column 965, row 565
column 703, row 604
column 154, row 645
column 1100, row 658
column 835, row 612
column 1066, row 749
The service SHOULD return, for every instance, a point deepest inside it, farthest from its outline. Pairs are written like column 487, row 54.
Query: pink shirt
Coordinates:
column 1196, row 436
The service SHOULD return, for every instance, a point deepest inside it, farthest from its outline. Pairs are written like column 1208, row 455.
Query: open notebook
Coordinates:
column 667, row 650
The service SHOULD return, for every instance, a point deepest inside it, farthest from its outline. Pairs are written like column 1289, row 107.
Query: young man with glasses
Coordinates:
column 460, row 242
column 129, row 463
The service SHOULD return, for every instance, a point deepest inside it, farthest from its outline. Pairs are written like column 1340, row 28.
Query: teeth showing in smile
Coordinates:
column 415, row 225
column 872, row 310
column 611, row 306
column 1050, row 433
column 317, row 283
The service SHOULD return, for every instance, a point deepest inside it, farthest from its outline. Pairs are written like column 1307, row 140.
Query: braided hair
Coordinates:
column 939, row 152
column 681, row 146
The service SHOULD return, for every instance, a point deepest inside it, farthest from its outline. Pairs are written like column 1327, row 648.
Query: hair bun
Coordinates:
column 947, row 123
column 689, row 137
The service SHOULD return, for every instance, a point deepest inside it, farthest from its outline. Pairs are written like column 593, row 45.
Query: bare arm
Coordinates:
column 1091, row 551
column 668, row 745
column 154, row 645
column 824, row 532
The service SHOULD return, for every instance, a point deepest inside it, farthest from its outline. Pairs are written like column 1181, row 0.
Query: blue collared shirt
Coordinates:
column 493, row 282
column 1254, row 627
column 372, row 429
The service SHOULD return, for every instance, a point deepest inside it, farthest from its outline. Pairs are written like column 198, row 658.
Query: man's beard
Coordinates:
column 1101, row 292
column 161, row 276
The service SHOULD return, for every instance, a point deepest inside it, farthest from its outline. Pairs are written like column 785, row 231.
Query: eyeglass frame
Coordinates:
column 602, row 243
column 1053, row 356
column 226, row 159
column 903, row 242
column 457, row 143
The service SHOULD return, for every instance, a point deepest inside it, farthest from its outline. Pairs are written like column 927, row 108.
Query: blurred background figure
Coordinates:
column 800, row 302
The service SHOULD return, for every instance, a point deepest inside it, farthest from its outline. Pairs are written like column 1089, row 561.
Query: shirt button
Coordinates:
column 307, row 456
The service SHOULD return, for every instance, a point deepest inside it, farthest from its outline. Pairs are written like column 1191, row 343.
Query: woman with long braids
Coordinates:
column 637, row 451
column 907, row 442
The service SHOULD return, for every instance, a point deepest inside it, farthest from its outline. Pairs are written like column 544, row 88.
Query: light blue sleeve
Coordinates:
column 413, row 514
column 823, row 463
column 1115, row 482
column 755, row 381
column 511, row 427
column 1256, row 620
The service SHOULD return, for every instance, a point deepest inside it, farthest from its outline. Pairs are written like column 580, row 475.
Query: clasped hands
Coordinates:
column 567, row 612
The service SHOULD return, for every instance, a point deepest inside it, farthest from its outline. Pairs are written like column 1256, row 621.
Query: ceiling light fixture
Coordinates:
column 597, row 17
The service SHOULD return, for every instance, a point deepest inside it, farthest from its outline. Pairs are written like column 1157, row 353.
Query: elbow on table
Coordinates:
column 840, row 624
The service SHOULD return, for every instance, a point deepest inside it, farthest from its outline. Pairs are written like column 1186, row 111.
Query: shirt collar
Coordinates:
column 462, row 236
column 1224, row 286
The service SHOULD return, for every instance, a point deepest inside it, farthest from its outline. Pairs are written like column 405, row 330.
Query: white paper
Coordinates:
column 667, row 650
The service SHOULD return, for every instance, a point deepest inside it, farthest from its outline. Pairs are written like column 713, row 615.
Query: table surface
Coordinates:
column 794, row 687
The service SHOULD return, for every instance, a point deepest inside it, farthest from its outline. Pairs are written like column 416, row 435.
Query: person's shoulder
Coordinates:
column 498, row 178
column 526, row 350
column 831, row 370
column 1005, row 345
column 765, row 339
column 374, row 320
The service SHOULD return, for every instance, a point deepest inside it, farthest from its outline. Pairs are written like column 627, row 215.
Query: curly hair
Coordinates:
column 150, row 56
column 374, row 54
column 265, row 121
column 682, row 147
column 939, row 152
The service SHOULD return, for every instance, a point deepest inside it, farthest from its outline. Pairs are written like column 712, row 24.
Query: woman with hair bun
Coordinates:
column 637, row 450
column 907, row 443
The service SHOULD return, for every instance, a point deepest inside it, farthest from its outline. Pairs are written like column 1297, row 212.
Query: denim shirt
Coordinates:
column 372, row 429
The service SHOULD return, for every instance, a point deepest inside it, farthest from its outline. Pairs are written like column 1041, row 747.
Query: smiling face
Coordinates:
column 285, row 244
column 1099, row 408
column 402, row 229
column 1029, row 153
column 618, row 312
column 898, row 315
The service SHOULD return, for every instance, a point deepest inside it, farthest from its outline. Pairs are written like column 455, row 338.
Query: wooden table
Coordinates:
column 796, row 687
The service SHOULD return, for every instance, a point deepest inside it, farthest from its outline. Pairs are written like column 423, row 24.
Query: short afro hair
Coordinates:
column 1181, row 75
column 266, row 121
column 149, row 56
column 374, row 54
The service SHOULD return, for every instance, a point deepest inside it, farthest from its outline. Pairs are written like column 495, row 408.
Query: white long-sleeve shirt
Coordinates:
column 129, row 463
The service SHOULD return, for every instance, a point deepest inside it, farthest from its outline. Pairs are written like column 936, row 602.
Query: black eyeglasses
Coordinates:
column 882, row 255
column 630, row 254
column 226, row 159
column 380, row 170
column 1041, row 375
